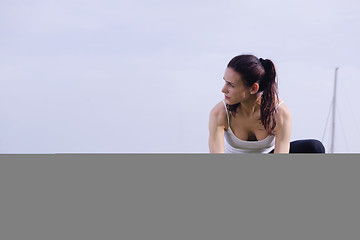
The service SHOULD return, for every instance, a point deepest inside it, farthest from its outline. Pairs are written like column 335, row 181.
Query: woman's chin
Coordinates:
column 228, row 101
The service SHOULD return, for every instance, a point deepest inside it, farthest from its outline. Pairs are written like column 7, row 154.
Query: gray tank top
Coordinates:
column 233, row 144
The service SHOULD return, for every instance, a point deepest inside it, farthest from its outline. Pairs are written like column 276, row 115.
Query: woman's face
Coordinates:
column 235, row 90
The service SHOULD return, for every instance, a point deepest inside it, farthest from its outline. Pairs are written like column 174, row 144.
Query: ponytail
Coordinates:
column 269, row 87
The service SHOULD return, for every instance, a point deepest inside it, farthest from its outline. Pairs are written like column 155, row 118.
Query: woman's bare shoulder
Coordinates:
column 218, row 115
column 283, row 113
column 283, row 126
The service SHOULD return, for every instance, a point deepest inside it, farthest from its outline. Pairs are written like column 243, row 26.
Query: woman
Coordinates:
column 251, row 118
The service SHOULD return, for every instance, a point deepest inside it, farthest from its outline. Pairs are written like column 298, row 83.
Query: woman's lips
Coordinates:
column 226, row 97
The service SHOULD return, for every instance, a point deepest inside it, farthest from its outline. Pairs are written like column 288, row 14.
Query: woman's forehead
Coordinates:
column 231, row 75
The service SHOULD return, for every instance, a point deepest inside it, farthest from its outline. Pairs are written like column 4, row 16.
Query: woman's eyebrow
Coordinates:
column 227, row 81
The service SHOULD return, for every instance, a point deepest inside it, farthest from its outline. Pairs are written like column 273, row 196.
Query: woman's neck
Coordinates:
column 251, row 105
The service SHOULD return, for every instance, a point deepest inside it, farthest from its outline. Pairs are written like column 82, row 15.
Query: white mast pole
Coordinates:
column 333, row 115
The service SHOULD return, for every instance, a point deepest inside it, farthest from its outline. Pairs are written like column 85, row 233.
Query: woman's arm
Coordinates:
column 217, row 128
column 283, row 129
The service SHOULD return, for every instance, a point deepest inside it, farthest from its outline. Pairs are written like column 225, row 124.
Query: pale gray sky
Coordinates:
column 124, row 76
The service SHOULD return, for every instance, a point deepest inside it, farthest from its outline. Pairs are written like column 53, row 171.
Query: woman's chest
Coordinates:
column 248, row 129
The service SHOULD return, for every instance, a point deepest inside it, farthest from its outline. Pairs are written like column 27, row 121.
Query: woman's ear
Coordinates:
column 254, row 88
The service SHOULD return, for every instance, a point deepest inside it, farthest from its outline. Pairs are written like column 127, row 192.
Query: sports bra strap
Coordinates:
column 278, row 105
column 227, row 113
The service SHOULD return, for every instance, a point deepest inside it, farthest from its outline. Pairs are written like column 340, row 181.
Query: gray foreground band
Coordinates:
column 179, row 196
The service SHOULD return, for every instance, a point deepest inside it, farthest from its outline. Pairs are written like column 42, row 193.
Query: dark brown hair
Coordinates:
column 254, row 70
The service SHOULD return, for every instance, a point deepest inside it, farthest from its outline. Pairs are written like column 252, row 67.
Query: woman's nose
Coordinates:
column 223, row 90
